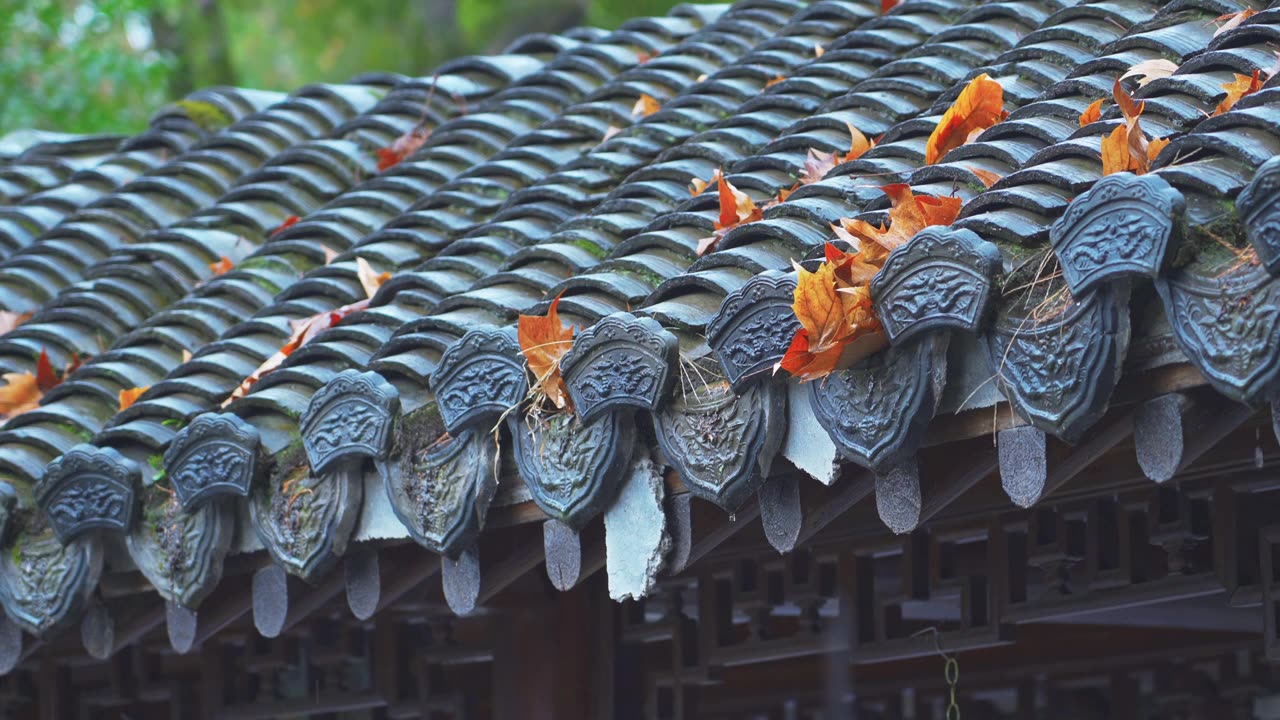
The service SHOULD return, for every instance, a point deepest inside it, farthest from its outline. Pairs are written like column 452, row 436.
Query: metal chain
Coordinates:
column 950, row 672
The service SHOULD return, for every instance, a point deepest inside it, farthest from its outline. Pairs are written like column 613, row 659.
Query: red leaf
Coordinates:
column 221, row 267
column 288, row 222
column 46, row 377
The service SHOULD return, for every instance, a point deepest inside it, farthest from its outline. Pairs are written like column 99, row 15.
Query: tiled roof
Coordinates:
column 523, row 192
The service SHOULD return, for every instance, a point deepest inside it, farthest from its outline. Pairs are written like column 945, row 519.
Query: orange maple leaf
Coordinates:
column 288, row 223
column 1126, row 148
column 736, row 208
column 818, row 164
column 370, row 279
column 645, row 106
column 19, row 394
column 130, row 396
column 1092, row 113
column 1154, row 148
column 403, row 146
column 1115, row 151
column 986, row 177
column 780, row 197
column 979, row 106
column 22, row 391
column 222, row 267
column 774, row 80
column 10, row 320
column 1233, row 20
column 1236, row 89
column 838, row 325
column 909, row 214
column 696, row 186
column 544, row 340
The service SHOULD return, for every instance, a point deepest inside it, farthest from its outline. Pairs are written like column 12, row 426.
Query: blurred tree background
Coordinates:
column 105, row 65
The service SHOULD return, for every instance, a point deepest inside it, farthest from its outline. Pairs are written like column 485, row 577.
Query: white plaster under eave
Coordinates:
column 808, row 446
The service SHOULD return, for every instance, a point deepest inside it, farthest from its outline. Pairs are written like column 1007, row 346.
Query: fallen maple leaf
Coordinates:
column 696, row 186
column 130, row 396
column 1236, row 89
column 838, row 325
column 544, row 340
column 774, row 80
column 221, row 267
column 301, row 332
column 644, row 57
column 819, row 51
column 979, row 106
column 645, row 106
column 22, row 391
column 887, row 5
column 1092, row 113
column 736, row 208
column 610, row 132
column 403, row 146
column 1126, row 148
column 1149, row 70
column 909, row 214
column 1155, row 146
column 329, row 254
column 10, row 320
column 46, row 377
column 288, row 223
column 780, row 197
column 1115, row 151
column 19, row 394
column 1233, row 20
column 370, row 280
column 986, row 177
column 818, row 164
column 186, row 355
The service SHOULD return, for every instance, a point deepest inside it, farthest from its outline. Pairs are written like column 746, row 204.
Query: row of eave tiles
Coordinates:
column 514, row 198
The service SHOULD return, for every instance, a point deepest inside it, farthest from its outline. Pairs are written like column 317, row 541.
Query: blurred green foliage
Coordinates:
column 105, row 65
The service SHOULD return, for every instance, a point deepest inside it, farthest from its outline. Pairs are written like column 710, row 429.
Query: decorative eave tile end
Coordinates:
column 479, row 378
column 621, row 361
column 350, row 417
column 1124, row 226
column 89, row 488
column 1259, row 209
column 754, row 326
column 941, row 279
column 217, row 454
